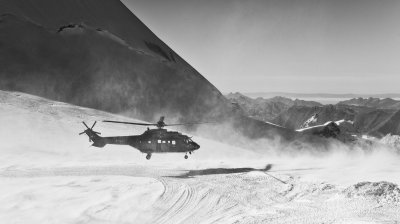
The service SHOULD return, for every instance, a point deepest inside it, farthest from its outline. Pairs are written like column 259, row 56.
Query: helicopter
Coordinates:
column 158, row 140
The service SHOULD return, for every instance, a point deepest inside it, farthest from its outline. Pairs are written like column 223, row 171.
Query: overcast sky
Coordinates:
column 306, row 46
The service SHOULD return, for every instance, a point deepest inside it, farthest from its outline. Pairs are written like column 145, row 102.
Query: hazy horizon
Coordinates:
column 314, row 93
column 324, row 98
column 334, row 46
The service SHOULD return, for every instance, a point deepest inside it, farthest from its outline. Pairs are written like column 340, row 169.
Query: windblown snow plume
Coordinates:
column 391, row 141
column 49, row 172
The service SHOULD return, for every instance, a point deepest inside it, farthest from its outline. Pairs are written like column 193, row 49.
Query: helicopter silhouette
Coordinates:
column 157, row 140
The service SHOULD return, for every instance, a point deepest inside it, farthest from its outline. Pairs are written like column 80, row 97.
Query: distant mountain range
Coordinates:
column 386, row 103
column 371, row 116
column 266, row 109
column 320, row 95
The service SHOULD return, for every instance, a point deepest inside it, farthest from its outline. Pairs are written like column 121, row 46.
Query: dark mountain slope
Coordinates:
column 391, row 126
column 379, row 122
column 96, row 53
column 110, row 15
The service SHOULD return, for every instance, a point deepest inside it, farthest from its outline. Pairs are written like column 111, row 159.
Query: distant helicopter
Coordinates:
column 151, row 141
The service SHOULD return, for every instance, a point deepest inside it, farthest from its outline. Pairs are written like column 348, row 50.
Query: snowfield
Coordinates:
column 49, row 174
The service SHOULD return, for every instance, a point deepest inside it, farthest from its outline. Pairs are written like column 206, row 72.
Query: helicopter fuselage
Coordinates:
column 157, row 140
column 151, row 141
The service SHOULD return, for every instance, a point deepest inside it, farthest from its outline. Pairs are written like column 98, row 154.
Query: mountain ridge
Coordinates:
column 385, row 103
column 322, row 95
column 370, row 116
column 266, row 109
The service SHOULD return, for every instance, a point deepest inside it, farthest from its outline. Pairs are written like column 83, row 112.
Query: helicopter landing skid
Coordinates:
column 148, row 156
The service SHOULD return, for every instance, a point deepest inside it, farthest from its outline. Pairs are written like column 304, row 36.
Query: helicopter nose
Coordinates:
column 196, row 146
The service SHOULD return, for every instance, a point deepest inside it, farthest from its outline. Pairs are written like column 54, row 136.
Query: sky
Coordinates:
column 302, row 46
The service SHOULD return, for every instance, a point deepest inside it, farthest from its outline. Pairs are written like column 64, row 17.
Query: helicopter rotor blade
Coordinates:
column 83, row 132
column 123, row 122
column 97, row 132
column 93, row 124
column 85, row 124
column 189, row 123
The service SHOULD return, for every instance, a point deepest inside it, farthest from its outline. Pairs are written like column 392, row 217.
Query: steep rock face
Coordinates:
column 388, row 126
column 98, row 54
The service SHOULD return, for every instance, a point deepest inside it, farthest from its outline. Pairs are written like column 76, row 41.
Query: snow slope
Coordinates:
column 49, row 174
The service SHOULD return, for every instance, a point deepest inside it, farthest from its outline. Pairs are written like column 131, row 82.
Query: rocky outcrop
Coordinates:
column 382, row 192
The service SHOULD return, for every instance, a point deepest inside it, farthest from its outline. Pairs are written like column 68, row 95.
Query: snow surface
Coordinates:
column 49, row 174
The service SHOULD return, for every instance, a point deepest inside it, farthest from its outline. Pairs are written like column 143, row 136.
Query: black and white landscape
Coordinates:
column 267, row 156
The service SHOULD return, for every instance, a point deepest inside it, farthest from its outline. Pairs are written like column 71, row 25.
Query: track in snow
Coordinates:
column 181, row 201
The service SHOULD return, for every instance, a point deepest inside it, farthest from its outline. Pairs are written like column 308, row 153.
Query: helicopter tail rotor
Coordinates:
column 93, row 135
